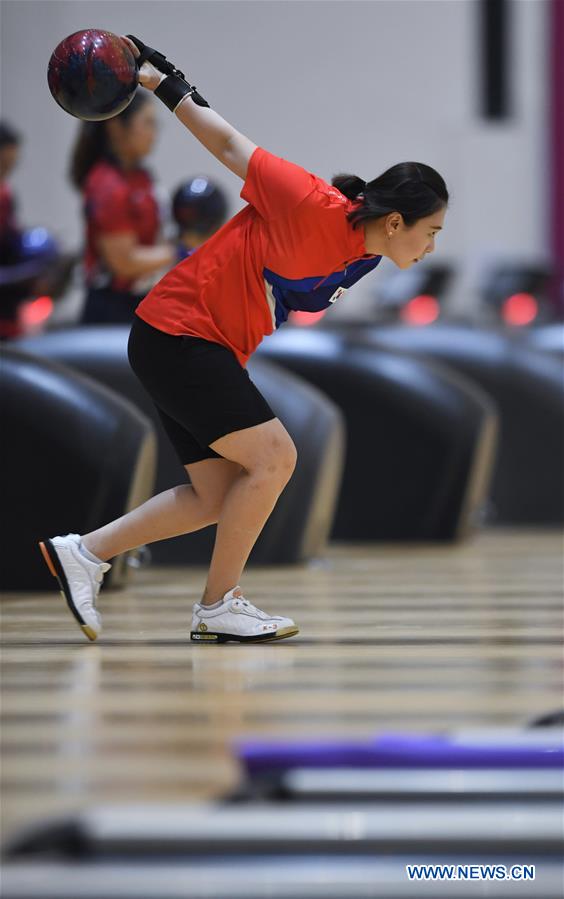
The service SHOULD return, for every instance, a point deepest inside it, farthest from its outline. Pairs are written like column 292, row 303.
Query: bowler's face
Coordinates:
column 409, row 245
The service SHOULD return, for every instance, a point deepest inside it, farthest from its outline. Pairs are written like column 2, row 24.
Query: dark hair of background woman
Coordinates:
column 411, row 188
column 92, row 142
column 9, row 137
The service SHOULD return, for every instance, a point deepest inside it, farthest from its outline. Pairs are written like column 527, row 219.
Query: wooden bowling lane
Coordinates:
column 392, row 638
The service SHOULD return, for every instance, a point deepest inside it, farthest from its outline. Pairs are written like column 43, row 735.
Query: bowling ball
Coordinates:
column 92, row 75
column 199, row 205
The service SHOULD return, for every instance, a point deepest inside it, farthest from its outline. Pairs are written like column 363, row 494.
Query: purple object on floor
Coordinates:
column 518, row 750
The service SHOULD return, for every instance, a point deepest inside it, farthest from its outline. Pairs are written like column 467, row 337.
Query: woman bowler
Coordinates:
column 298, row 244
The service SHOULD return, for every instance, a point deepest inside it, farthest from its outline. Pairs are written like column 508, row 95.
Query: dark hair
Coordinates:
column 411, row 188
column 92, row 142
column 8, row 136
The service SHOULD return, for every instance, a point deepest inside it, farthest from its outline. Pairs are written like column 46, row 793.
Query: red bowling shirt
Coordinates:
column 8, row 224
column 116, row 201
column 290, row 248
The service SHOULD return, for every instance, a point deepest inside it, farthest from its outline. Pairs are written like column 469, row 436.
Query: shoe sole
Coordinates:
column 216, row 637
column 53, row 563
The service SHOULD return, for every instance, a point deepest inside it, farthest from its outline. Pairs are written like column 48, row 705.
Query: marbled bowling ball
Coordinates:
column 92, row 75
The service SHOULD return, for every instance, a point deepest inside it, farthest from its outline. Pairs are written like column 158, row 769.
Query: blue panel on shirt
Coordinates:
column 314, row 294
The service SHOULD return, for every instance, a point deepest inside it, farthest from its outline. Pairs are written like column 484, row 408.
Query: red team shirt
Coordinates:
column 116, row 201
column 290, row 248
column 8, row 225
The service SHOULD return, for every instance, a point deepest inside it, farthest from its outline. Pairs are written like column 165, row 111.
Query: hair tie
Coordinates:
column 360, row 194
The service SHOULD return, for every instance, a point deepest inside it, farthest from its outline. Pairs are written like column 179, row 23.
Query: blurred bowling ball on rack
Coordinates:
column 92, row 75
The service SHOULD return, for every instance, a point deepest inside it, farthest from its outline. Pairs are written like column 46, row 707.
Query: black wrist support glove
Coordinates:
column 172, row 89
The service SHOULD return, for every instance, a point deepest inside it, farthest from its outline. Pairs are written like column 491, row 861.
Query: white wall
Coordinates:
column 343, row 85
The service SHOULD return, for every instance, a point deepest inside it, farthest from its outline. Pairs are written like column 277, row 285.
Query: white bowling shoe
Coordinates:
column 237, row 620
column 79, row 579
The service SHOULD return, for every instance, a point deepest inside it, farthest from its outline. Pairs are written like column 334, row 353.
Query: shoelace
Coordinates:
column 252, row 609
column 98, row 577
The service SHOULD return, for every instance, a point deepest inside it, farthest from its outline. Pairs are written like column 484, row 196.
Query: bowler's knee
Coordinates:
column 277, row 460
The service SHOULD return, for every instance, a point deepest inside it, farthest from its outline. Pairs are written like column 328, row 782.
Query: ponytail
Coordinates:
column 413, row 189
column 349, row 185
column 91, row 145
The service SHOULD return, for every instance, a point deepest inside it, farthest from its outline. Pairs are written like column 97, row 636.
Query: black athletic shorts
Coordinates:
column 199, row 388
